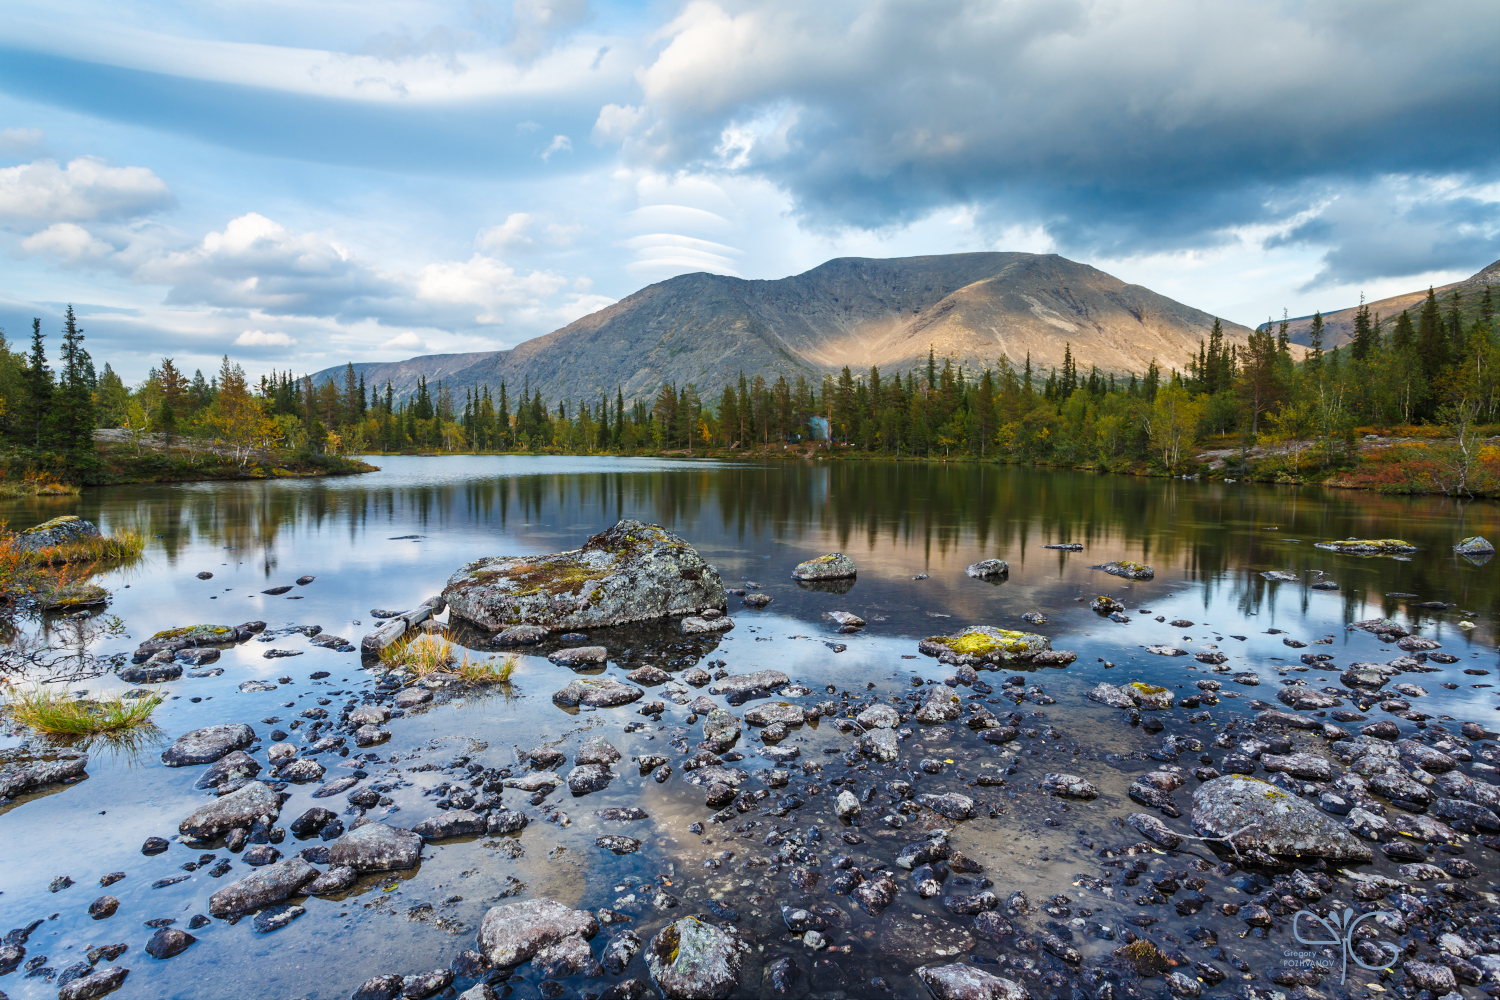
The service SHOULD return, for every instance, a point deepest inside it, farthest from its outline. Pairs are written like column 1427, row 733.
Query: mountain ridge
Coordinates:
column 1338, row 326
column 856, row 311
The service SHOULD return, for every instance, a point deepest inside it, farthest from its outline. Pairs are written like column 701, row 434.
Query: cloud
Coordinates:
column 69, row 241
column 510, row 233
column 256, row 263
column 87, row 189
column 1398, row 225
column 1115, row 125
column 559, row 144
column 259, row 338
column 404, row 342
column 489, row 286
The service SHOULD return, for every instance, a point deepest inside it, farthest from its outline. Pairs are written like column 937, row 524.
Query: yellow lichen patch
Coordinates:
column 1134, row 567
column 199, row 630
column 1147, row 688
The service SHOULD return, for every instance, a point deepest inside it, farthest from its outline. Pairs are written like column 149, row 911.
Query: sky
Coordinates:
column 299, row 185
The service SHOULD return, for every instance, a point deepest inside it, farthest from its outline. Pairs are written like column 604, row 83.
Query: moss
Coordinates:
column 77, row 595
column 203, row 631
column 1147, row 688
column 977, row 643
column 1134, row 567
column 56, row 522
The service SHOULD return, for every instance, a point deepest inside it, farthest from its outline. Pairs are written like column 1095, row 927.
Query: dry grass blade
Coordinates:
column 60, row 715
column 421, row 655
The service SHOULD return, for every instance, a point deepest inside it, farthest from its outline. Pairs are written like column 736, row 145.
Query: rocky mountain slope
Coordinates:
column 706, row 328
column 1338, row 327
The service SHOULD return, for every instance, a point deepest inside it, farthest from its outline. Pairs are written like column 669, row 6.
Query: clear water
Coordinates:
column 1208, row 542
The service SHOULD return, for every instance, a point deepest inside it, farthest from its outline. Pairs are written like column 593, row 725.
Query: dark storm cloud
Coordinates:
column 1120, row 127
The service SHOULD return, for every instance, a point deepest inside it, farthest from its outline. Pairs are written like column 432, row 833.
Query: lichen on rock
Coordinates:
column 985, row 644
column 628, row 573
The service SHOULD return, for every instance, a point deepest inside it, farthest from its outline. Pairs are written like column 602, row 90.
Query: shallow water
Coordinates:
column 1208, row 542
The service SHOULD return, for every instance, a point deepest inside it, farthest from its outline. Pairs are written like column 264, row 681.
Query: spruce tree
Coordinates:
column 75, row 398
column 36, row 404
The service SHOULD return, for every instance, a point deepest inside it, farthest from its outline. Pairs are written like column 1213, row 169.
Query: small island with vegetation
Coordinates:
column 77, row 427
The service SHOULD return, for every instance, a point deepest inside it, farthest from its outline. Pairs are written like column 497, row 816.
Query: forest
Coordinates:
column 1424, row 385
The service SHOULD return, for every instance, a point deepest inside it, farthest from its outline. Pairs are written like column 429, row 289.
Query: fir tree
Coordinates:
column 36, row 404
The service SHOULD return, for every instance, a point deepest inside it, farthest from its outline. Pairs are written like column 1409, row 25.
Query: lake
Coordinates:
column 387, row 540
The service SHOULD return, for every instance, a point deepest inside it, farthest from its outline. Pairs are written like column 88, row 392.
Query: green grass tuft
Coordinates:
column 60, row 715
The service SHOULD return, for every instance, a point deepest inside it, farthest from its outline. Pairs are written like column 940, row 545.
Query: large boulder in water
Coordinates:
column 693, row 960
column 631, row 572
column 511, row 933
column 985, row 644
column 959, row 981
column 65, row 530
column 833, row 566
column 1270, row 820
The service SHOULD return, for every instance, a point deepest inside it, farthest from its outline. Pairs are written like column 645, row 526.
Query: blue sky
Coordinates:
column 299, row 185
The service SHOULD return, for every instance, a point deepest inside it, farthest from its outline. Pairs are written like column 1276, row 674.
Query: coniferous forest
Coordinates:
column 1411, row 404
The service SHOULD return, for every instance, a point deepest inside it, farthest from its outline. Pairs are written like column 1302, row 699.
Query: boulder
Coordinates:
column 987, row 568
column 834, row 566
column 740, row 688
column 452, row 823
column 64, row 530
column 942, row 704
column 1278, row 823
column 960, row 981
column 631, row 572
column 880, row 744
column 206, row 745
column 15, row 780
column 579, row 656
column 376, row 847
column 1068, row 786
column 597, row 692
column 1368, row 546
column 237, row 810
column 1474, row 545
column 985, row 644
column 262, row 887
column 95, row 984
column 771, row 713
column 237, row 766
column 875, row 717
column 693, row 625
column 693, row 960
column 1129, row 570
column 513, row 932
column 1114, row 697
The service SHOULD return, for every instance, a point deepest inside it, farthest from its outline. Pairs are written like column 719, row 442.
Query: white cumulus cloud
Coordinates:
column 259, row 338
column 86, row 189
column 69, row 241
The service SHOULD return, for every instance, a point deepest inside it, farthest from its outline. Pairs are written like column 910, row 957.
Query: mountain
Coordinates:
column 1338, row 327
column 854, row 311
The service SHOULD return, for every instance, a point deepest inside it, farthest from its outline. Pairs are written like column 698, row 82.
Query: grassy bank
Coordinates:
column 26, row 472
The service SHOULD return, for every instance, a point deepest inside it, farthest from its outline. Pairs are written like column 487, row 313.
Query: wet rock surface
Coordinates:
column 206, row 745
column 631, row 572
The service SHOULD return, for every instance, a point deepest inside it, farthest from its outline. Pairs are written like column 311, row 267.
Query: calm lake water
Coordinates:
column 389, row 539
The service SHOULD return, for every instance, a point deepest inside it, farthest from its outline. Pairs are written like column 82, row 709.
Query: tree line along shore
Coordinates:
column 1410, row 405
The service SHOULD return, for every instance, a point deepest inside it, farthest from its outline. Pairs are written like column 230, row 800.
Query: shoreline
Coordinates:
column 1196, row 470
